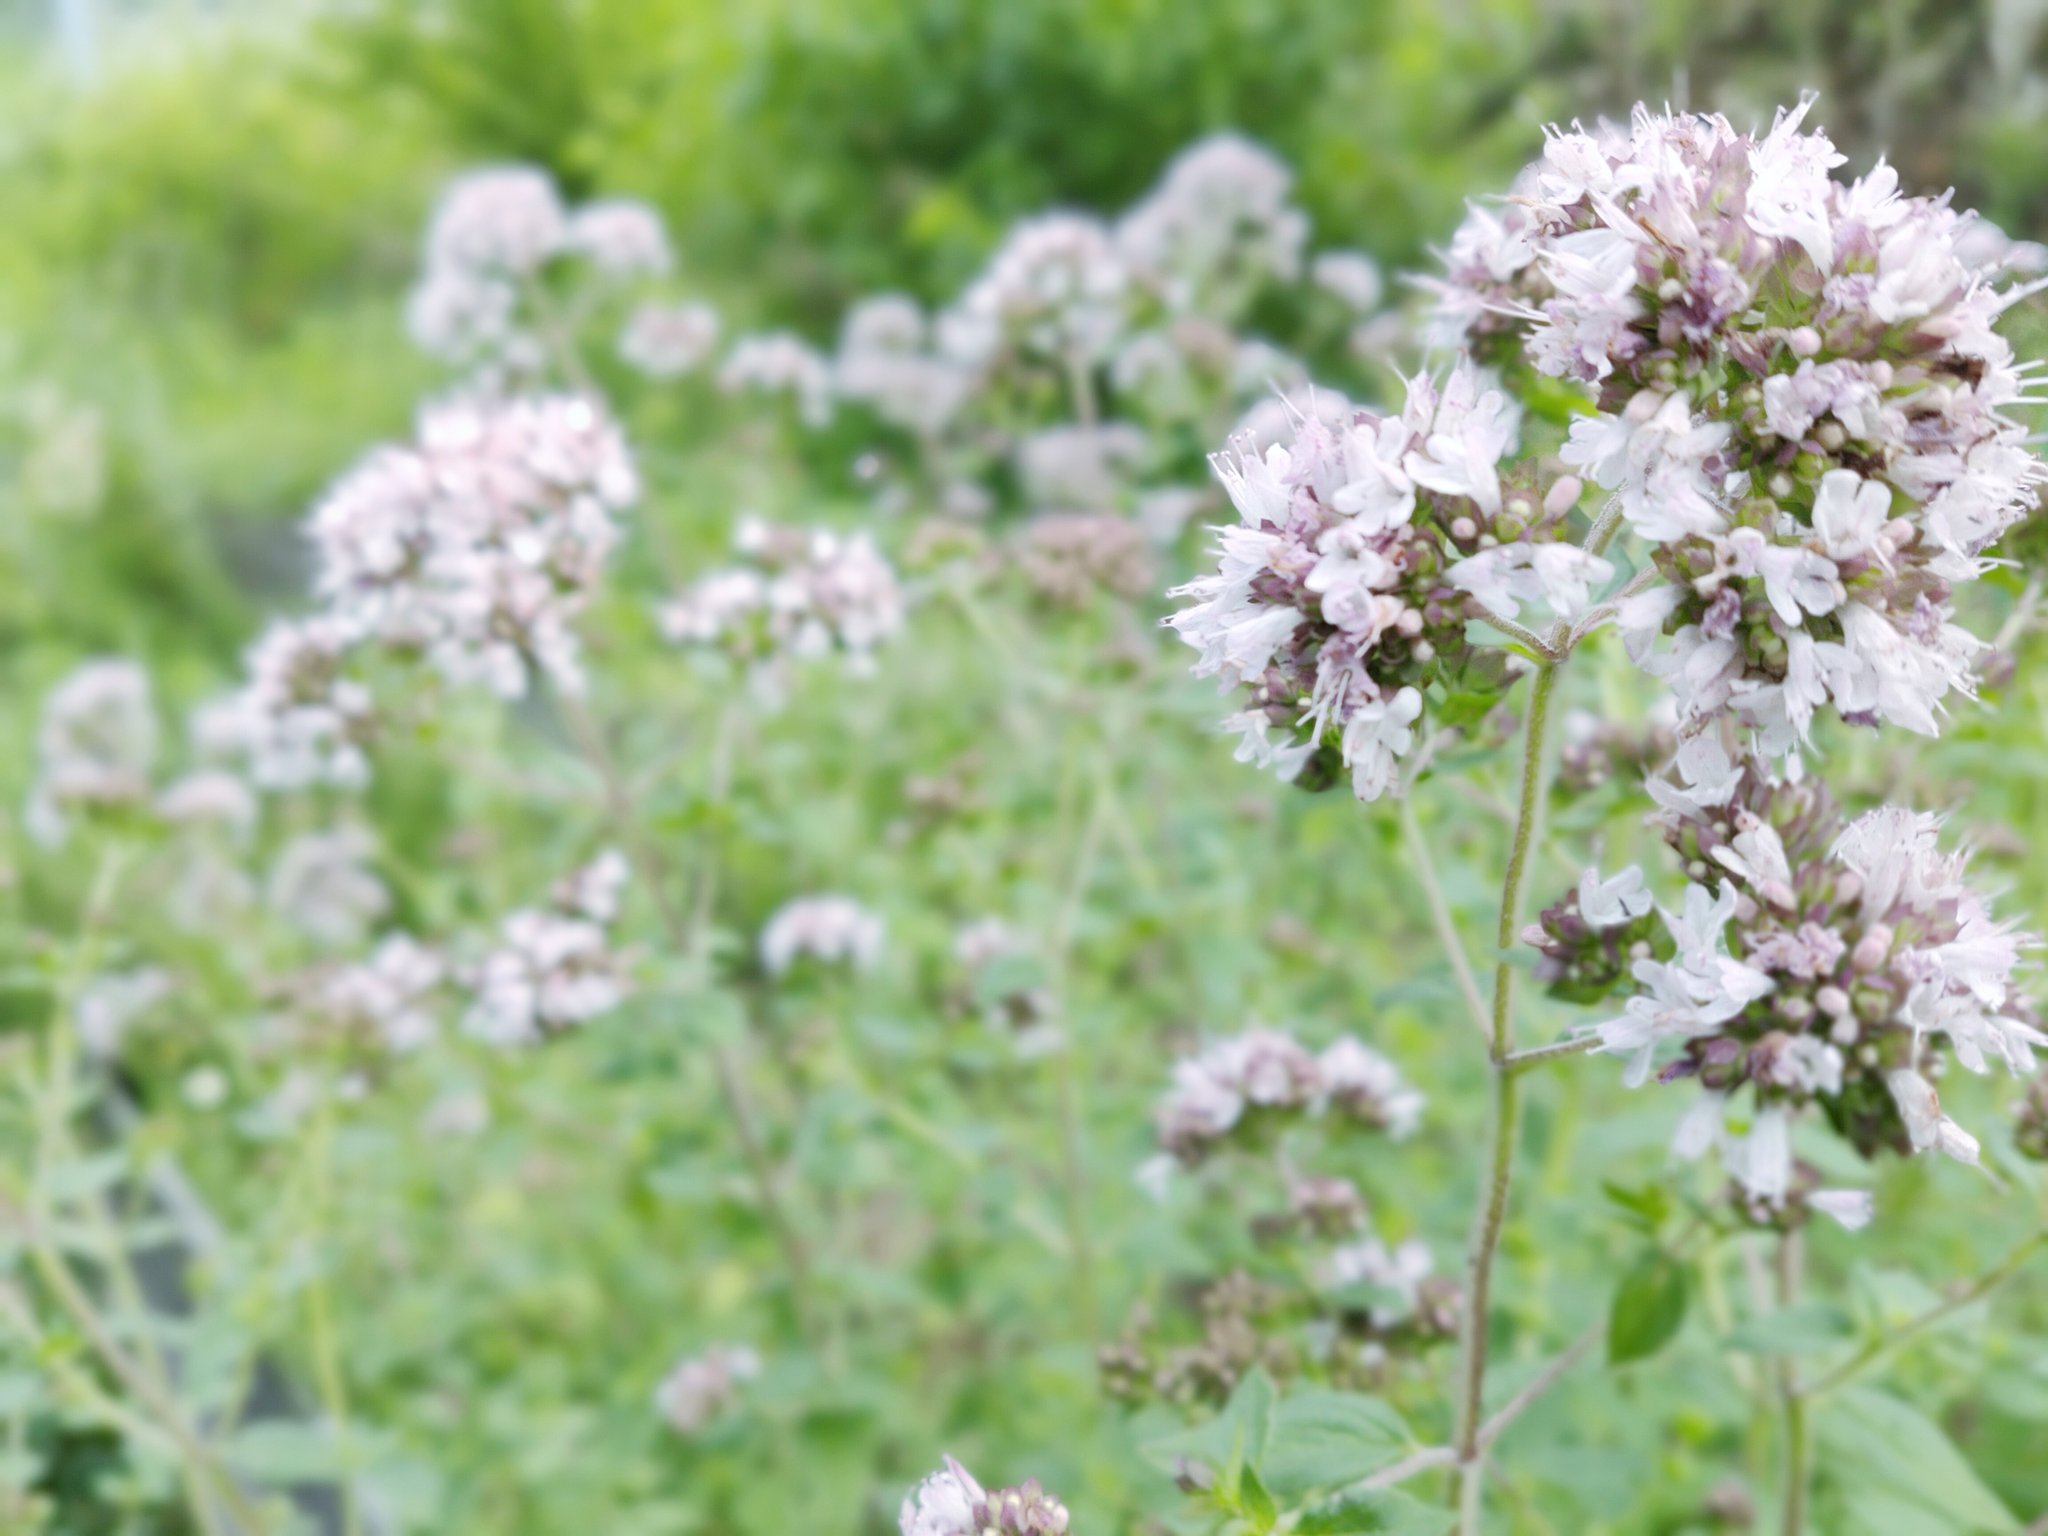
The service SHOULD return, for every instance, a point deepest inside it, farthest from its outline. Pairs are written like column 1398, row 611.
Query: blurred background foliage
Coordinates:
column 212, row 213
column 206, row 243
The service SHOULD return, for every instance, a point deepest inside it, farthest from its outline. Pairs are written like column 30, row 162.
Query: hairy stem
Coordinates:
column 1493, row 1194
column 1537, row 1055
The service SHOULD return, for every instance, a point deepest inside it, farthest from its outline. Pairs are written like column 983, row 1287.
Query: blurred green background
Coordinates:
column 211, row 214
column 212, row 209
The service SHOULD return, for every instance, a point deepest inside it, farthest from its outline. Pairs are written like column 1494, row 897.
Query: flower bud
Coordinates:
column 1872, row 948
column 1564, row 495
column 1804, row 341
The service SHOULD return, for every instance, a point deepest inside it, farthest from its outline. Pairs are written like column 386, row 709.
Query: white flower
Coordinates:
column 666, row 341
column 1853, row 1208
column 322, row 884
column 1364, row 1084
column 1352, row 276
column 95, row 746
column 1612, row 902
column 944, row 1504
column 1926, row 1125
column 830, row 929
column 700, row 1388
column 779, row 363
column 622, row 238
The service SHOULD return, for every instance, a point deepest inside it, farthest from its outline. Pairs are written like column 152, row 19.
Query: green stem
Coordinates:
column 1491, row 1213
column 1897, row 1338
column 1073, row 1146
column 321, row 1336
column 1793, row 1520
column 690, row 933
column 1440, row 917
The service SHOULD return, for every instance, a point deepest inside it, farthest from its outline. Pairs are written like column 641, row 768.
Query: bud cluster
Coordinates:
column 1361, row 552
column 1817, row 960
column 1802, row 404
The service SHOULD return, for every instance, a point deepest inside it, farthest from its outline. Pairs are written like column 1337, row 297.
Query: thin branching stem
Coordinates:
column 1424, row 863
column 688, row 931
column 1538, row 1055
column 1491, row 1212
column 1897, row 1338
column 1792, row 1522
column 1521, row 634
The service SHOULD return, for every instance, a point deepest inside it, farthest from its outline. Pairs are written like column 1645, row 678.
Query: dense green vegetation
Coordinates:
column 470, row 1272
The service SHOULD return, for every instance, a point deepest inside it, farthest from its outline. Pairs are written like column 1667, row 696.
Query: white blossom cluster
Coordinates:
column 798, row 594
column 702, row 1388
column 96, row 747
column 666, row 341
column 1360, row 552
column 1803, row 406
column 554, row 967
column 299, row 719
column 1813, row 961
column 475, row 548
column 951, row 1503
column 830, row 929
column 479, row 544
column 780, row 364
column 889, row 360
column 1266, row 1073
column 481, row 300
column 385, row 1003
column 324, row 885
column 1056, row 290
column 1220, row 224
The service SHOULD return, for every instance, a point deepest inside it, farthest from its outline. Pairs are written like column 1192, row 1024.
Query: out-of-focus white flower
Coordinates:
column 482, row 544
column 1056, row 290
column 109, row 1004
column 322, row 884
column 1370, row 1261
column 95, row 746
column 1266, row 1069
column 386, row 1001
column 830, row 929
column 210, row 797
column 505, row 219
column 1219, row 226
column 552, row 969
column 1352, row 276
column 299, row 720
column 622, row 238
column 702, row 1388
column 666, row 341
column 779, row 363
column 802, row 594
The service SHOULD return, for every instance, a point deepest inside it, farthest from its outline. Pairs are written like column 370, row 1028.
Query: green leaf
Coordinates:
column 1324, row 1439
column 1648, row 1308
column 1805, row 1328
column 1255, row 1503
column 1240, row 1433
column 1888, row 1467
column 1647, row 1206
column 1378, row 1512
